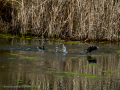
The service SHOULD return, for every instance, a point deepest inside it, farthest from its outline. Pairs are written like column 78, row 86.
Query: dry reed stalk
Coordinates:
column 22, row 17
column 74, row 18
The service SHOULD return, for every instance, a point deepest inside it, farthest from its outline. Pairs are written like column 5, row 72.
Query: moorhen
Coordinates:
column 91, row 48
column 41, row 48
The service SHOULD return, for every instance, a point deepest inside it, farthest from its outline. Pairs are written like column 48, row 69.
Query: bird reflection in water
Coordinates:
column 91, row 59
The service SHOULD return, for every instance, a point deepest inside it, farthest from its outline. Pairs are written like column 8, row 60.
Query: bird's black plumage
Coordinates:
column 41, row 48
column 91, row 48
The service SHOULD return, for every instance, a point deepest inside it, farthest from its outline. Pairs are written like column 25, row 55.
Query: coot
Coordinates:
column 91, row 48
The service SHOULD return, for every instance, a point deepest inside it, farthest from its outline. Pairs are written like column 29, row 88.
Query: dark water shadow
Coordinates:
column 91, row 59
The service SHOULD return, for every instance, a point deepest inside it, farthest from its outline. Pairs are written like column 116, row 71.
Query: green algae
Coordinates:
column 109, row 71
column 29, row 57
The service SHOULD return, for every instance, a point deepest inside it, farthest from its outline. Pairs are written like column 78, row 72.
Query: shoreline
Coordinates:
column 8, row 35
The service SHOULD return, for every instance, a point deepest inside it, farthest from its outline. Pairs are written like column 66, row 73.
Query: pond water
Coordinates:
column 59, row 67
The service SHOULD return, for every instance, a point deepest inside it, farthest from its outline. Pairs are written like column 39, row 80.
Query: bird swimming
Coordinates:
column 91, row 48
column 41, row 48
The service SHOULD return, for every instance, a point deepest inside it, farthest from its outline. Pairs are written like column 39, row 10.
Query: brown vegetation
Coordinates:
column 79, row 19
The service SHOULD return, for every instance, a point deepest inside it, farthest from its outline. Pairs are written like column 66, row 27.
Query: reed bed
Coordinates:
column 78, row 19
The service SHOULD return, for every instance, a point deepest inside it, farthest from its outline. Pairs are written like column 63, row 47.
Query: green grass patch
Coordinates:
column 29, row 57
column 74, row 86
column 91, row 59
column 118, row 51
column 15, row 54
column 73, row 57
column 28, row 38
column 101, row 42
column 11, row 58
column 98, row 55
column 94, row 76
column 59, row 72
column 73, row 42
column 22, row 86
column 93, row 64
column 53, row 69
column 87, row 75
column 49, row 72
column 77, row 74
column 3, row 66
column 9, row 36
column 42, row 51
column 20, row 82
column 81, row 55
column 66, row 72
column 109, row 71
column 60, row 76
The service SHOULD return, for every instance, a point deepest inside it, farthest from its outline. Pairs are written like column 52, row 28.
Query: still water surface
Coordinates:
column 24, row 67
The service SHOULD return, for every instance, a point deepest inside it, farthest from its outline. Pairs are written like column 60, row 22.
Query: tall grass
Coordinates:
column 79, row 19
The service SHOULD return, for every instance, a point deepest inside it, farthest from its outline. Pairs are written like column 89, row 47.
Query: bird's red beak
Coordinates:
column 97, row 48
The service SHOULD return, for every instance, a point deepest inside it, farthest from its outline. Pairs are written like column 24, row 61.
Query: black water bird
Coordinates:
column 91, row 48
column 41, row 48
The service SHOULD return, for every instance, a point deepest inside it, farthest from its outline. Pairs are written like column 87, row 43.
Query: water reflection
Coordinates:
column 56, row 49
column 23, row 65
column 91, row 59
